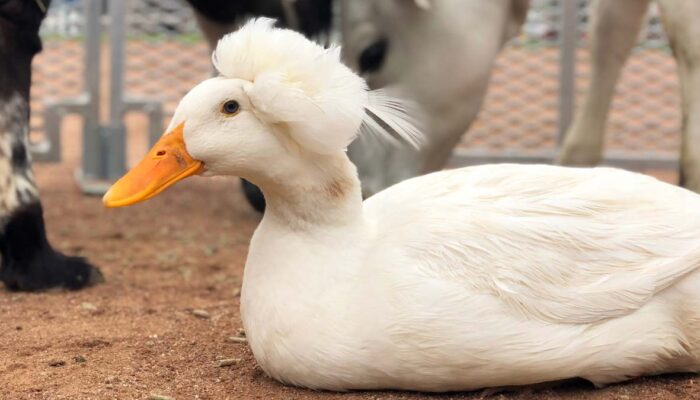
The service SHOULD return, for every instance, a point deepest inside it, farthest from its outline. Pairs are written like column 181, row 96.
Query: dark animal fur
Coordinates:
column 28, row 261
column 314, row 15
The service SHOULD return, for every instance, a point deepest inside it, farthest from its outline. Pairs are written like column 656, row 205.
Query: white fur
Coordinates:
column 299, row 83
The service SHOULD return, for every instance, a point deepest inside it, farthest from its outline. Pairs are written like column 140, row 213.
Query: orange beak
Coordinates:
column 166, row 163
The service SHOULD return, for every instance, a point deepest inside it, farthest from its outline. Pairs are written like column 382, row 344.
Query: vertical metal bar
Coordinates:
column 92, row 138
column 155, row 123
column 567, row 65
column 115, row 150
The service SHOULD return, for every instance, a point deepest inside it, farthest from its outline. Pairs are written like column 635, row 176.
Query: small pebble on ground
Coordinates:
column 201, row 314
column 226, row 362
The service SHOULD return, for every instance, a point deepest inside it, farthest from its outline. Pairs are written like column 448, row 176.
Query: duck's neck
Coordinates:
column 327, row 193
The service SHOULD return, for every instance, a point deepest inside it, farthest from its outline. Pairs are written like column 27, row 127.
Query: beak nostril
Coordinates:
column 161, row 153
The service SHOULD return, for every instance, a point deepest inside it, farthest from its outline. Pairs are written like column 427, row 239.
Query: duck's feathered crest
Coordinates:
column 305, row 88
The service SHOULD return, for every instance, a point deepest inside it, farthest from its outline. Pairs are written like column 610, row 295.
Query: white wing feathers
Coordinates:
column 563, row 245
column 614, row 294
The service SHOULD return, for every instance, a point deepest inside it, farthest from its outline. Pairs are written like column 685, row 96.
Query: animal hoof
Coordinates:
column 81, row 274
column 50, row 269
column 29, row 263
column 254, row 195
column 95, row 277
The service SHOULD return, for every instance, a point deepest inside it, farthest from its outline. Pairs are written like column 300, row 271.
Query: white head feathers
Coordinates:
column 305, row 88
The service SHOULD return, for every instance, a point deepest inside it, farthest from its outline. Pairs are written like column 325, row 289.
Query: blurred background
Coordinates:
column 164, row 54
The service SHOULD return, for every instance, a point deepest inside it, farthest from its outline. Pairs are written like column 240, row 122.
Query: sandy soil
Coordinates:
column 138, row 334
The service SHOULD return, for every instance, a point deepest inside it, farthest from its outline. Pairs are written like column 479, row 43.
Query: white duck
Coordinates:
column 494, row 275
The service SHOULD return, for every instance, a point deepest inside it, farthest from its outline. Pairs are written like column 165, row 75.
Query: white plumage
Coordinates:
column 495, row 275
column 297, row 82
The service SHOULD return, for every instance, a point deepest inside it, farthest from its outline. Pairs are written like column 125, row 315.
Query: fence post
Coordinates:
column 92, row 137
column 104, row 145
column 115, row 143
column 567, row 65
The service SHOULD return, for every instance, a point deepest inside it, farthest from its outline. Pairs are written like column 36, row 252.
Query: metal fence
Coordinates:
column 160, row 54
column 105, row 59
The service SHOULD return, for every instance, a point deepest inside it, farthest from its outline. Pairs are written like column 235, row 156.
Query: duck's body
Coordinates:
column 497, row 275
column 485, row 276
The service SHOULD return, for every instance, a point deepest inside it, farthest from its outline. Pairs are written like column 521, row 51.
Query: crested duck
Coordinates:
column 487, row 276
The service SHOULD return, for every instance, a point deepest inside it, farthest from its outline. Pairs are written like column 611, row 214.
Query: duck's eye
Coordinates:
column 230, row 107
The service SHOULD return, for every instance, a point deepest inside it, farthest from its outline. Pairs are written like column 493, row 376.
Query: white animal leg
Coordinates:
column 613, row 31
column 680, row 22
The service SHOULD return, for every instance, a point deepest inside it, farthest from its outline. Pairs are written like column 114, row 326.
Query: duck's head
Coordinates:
column 280, row 104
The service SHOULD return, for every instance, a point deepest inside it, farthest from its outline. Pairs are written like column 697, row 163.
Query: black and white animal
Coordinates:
column 28, row 260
